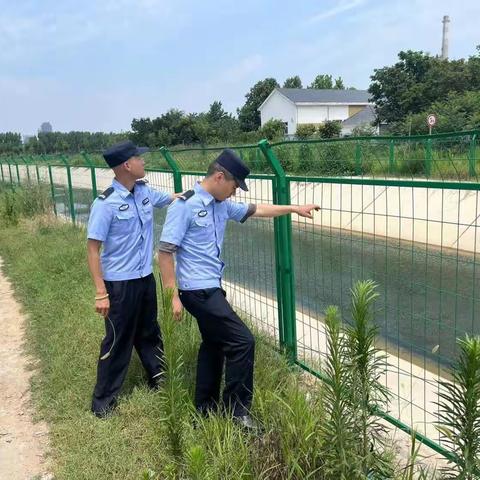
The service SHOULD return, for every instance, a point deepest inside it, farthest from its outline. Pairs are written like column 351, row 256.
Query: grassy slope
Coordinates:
column 47, row 265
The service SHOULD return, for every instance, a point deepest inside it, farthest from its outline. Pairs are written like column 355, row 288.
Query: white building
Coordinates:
column 296, row 106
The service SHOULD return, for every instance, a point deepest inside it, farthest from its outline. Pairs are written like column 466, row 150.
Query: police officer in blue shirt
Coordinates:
column 121, row 220
column 194, row 229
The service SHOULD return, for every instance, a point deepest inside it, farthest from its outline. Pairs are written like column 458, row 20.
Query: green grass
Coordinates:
column 151, row 435
column 46, row 262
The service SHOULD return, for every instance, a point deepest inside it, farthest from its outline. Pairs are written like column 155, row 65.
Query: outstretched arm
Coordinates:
column 269, row 211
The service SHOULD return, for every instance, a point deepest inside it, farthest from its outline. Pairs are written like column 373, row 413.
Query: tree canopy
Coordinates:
column 418, row 80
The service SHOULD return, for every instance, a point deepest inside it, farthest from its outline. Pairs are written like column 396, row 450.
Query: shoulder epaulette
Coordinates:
column 142, row 182
column 186, row 195
column 106, row 193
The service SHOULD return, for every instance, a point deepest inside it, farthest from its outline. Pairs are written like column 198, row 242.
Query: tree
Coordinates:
column 227, row 129
column 48, row 142
column 474, row 66
column 171, row 128
column 293, row 82
column 322, row 81
column 326, row 82
column 417, row 80
column 202, row 130
column 162, row 137
column 461, row 111
column 248, row 115
column 10, row 142
column 174, row 122
column 176, row 127
column 32, row 145
column 339, row 84
column 141, row 129
column 216, row 112
column 71, row 142
column 220, row 125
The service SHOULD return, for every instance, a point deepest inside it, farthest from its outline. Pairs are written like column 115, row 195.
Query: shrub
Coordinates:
column 24, row 202
column 306, row 130
column 330, row 129
column 273, row 129
column 364, row 130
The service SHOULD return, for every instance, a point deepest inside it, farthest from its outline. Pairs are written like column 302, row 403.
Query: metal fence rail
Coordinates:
column 403, row 211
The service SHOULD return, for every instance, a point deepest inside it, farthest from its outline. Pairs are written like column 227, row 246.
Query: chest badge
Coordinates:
column 145, row 201
column 124, row 207
column 202, row 213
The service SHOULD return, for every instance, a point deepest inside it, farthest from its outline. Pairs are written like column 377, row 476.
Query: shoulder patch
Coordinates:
column 106, row 193
column 186, row 195
column 144, row 181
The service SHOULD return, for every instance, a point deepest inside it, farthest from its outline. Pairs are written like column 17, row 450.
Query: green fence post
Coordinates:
column 391, row 158
column 3, row 176
column 278, row 271
column 52, row 185
column 284, row 259
column 10, row 171
column 28, row 170
column 70, row 187
column 257, row 159
column 92, row 174
column 358, row 158
column 18, row 171
column 36, row 169
column 428, row 157
column 472, row 156
column 177, row 176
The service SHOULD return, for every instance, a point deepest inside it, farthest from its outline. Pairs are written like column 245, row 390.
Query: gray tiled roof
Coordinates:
column 366, row 115
column 311, row 95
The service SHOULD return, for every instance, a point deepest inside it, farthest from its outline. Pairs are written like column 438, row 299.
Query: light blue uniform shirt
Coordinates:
column 124, row 223
column 197, row 227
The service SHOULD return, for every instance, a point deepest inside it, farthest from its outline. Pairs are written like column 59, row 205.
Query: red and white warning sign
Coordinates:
column 431, row 120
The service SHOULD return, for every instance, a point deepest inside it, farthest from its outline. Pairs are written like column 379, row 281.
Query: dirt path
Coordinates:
column 22, row 443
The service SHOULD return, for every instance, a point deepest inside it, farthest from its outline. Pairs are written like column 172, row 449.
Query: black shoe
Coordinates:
column 248, row 424
column 157, row 383
column 102, row 414
column 105, row 412
column 203, row 414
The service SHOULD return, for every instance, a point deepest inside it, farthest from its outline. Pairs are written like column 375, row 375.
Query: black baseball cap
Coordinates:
column 233, row 164
column 121, row 152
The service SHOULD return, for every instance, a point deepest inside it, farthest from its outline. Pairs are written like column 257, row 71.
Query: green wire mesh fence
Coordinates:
column 403, row 211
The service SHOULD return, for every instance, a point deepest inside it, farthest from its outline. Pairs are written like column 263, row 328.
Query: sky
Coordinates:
column 95, row 65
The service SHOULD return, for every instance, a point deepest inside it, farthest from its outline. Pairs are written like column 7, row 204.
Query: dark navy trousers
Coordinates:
column 131, row 322
column 225, row 340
